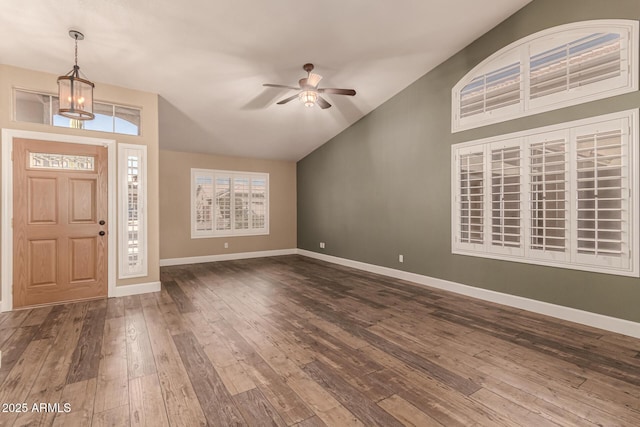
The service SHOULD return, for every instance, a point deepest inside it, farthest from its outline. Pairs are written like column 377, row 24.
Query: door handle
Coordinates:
column 102, row 233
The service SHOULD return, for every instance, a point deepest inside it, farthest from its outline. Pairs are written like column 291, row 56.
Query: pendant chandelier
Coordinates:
column 75, row 94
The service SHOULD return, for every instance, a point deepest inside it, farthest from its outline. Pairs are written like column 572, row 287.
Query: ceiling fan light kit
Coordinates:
column 308, row 98
column 309, row 91
column 75, row 94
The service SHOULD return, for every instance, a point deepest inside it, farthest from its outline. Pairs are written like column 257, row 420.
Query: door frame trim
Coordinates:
column 6, row 243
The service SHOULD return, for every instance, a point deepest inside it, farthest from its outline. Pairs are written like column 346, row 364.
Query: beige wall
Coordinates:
column 175, row 199
column 13, row 77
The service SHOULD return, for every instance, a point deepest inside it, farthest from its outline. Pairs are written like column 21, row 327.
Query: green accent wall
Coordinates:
column 383, row 186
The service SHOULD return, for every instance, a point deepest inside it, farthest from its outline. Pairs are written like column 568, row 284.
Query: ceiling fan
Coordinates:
column 309, row 92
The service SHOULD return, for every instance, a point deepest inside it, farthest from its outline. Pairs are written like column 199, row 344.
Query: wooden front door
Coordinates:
column 59, row 222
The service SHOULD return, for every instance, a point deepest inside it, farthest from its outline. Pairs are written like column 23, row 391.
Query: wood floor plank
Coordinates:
column 54, row 320
column 52, row 378
column 21, row 377
column 291, row 407
column 37, row 316
column 179, row 298
column 115, row 308
column 140, row 360
column 16, row 320
column 314, row 421
column 114, row 417
column 256, row 409
column 180, row 399
column 86, row 357
column 113, row 383
column 216, row 402
column 79, row 396
column 406, row 413
column 14, row 347
column 367, row 411
column 146, row 404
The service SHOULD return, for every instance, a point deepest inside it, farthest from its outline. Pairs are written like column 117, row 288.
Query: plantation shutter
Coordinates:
column 471, row 198
column 506, row 215
column 602, row 196
column 241, row 200
column 223, row 203
column 491, row 91
column 203, row 200
column 581, row 62
column 558, row 67
column 548, row 197
column 258, row 202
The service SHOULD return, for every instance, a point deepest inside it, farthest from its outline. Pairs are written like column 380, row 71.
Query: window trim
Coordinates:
column 634, row 212
column 124, row 269
column 195, row 234
column 521, row 49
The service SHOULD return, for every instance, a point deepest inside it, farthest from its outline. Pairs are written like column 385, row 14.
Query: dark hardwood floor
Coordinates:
column 294, row 341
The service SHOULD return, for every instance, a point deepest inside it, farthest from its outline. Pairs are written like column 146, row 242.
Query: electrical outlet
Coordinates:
column 321, row 245
column 401, row 258
column 226, row 245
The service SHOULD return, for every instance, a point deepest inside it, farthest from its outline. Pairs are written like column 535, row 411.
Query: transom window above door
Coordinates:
column 35, row 107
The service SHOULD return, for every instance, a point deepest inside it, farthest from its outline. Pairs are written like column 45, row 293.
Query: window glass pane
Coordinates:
column 127, row 121
column 133, row 210
column 103, row 120
column 61, row 161
column 59, row 120
column 32, row 107
column 204, row 203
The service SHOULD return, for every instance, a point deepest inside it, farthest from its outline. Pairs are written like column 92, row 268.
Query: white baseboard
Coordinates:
column 595, row 320
column 225, row 257
column 139, row 288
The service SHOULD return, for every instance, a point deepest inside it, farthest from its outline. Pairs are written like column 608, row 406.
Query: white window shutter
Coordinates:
column 554, row 68
column 506, row 197
column 560, row 195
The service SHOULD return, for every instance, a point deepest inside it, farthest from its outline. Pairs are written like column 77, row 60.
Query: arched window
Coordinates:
column 554, row 68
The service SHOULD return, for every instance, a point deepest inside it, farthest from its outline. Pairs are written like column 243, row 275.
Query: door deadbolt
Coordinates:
column 102, row 222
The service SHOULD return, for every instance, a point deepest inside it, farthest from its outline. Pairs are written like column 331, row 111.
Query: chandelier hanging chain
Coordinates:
column 76, row 54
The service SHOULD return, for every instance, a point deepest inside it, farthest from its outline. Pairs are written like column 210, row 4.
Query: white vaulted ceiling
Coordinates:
column 208, row 59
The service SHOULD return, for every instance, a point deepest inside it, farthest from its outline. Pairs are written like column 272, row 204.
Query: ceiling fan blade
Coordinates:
column 291, row 98
column 322, row 102
column 281, row 86
column 335, row 91
column 314, row 79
